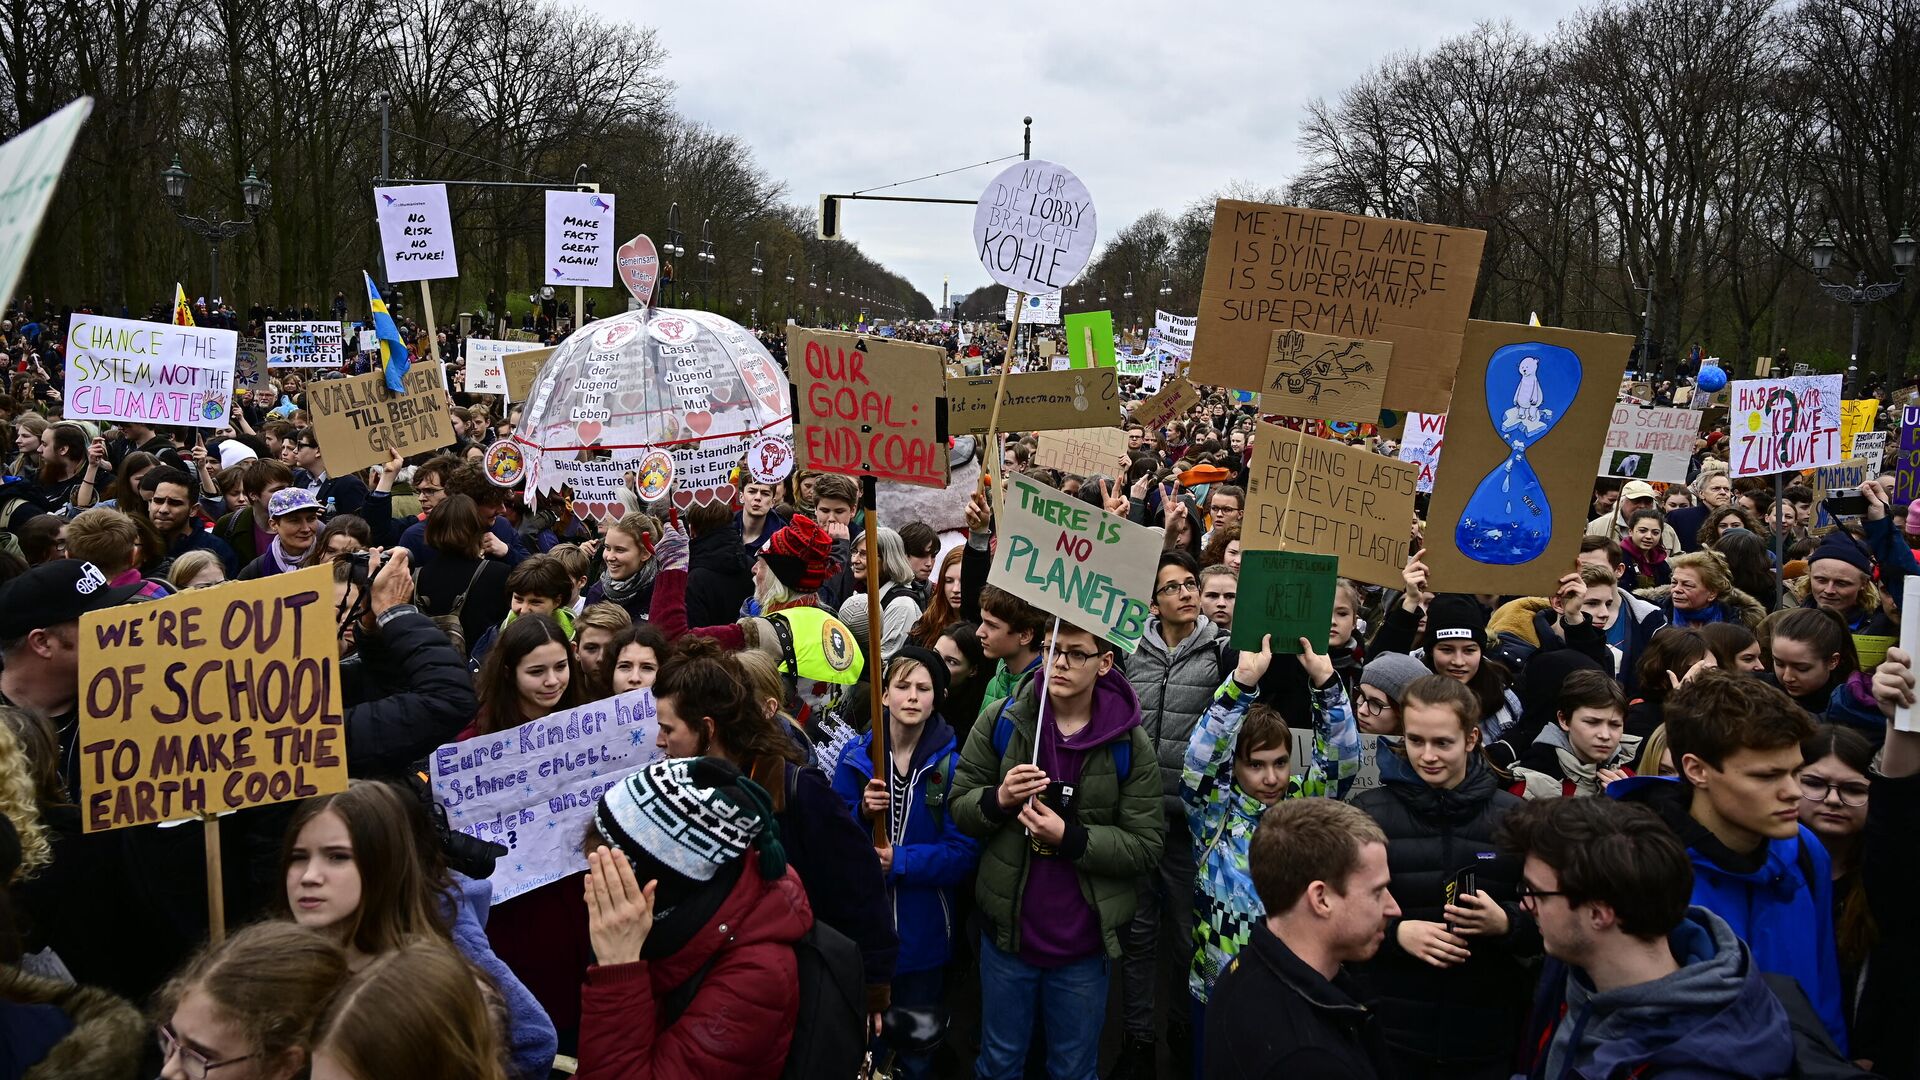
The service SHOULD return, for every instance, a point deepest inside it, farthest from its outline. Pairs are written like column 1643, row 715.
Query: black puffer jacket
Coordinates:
column 719, row 577
column 1472, row 1012
column 407, row 691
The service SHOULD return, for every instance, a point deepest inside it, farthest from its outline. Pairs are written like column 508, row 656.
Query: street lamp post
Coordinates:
column 759, row 271
column 256, row 194
column 789, row 286
column 674, row 250
column 1126, row 293
column 1858, row 294
column 707, row 260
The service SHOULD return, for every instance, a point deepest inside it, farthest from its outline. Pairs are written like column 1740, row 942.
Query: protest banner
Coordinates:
column 1906, row 463
column 1328, row 378
column 1046, row 348
column 487, row 365
column 1782, row 425
column 532, row 789
column 1039, row 401
column 596, row 483
column 1175, row 398
column 1041, row 309
column 249, row 365
column 1035, row 227
column 1074, row 560
column 869, row 406
column 1869, row 446
column 1137, row 365
column 209, row 701
column 1175, row 333
column 153, row 373
column 1315, row 495
column 703, row 470
column 1855, row 417
column 526, row 337
column 1424, row 436
column 30, row 166
column 580, row 242
column 358, row 421
column 1100, row 450
column 523, row 370
column 1090, row 339
column 1650, row 444
column 1529, row 415
column 1840, row 478
column 1288, row 594
column 416, row 232
column 1282, row 268
column 315, row 343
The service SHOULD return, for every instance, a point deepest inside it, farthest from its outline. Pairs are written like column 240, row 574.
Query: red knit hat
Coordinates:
column 800, row 555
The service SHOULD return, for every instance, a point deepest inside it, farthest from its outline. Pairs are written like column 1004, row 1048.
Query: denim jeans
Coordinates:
column 1071, row 1001
column 1166, row 908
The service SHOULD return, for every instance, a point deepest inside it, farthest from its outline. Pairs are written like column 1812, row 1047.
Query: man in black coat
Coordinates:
column 1284, row 1008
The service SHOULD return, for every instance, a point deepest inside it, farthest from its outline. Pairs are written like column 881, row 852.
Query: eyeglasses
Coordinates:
column 1075, row 658
column 1530, row 896
column 1817, row 788
column 428, row 490
column 1175, row 588
column 1371, row 705
column 192, row 1062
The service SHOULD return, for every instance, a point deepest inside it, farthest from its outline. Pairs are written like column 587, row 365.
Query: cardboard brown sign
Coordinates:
column 1315, row 495
column 1083, row 453
column 1530, row 415
column 523, row 370
column 356, row 420
column 1176, row 398
column 869, row 405
column 1328, row 378
column 1039, row 401
column 1284, row 268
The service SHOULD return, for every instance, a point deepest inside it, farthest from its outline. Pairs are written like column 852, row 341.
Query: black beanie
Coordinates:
column 936, row 666
column 1456, row 617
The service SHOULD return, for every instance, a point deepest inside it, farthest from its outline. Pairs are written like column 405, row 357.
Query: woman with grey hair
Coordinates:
column 899, row 610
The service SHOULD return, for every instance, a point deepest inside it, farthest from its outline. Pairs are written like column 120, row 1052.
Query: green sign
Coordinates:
column 1288, row 594
column 1090, row 335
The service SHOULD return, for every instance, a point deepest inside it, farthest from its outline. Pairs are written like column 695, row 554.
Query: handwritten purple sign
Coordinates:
column 1906, row 473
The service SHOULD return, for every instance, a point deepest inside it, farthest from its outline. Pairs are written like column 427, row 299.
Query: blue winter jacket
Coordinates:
column 931, row 856
column 531, row 1039
column 1783, row 910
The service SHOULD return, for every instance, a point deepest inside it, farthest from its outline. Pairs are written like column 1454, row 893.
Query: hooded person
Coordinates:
column 1840, row 578
column 691, row 845
column 926, row 856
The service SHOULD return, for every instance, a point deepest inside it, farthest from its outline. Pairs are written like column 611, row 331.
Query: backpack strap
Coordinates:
column 460, row 602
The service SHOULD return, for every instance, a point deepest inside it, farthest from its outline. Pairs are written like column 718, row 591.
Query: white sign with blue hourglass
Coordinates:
column 1509, row 517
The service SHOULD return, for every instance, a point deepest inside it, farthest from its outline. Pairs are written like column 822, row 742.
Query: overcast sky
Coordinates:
column 1153, row 105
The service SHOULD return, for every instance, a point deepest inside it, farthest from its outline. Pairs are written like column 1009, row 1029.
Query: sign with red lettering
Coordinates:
column 869, row 406
column 1782, row 425
column 212, row 700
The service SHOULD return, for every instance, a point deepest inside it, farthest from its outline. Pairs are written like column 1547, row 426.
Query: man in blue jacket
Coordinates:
column 1640, row 982
column 1735, row 804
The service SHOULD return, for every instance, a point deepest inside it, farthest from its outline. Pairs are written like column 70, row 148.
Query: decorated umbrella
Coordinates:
column 674, row 397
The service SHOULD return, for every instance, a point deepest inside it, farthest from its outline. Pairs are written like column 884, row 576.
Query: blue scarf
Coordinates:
column 1712, row 613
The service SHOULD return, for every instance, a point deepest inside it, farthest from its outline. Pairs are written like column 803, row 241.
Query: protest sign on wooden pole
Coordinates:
column 999, row 392
column 358, row 422
column 1329, row 497
column 433, row 336
column 216, row 882
column 877, row 671
column 1036, row 401
column 1075, row 560
column 869, row 406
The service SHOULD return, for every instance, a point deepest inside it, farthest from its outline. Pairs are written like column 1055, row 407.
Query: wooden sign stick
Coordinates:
column 1086, row 334
column 433, row 336
column 876, row 670
column 216, row 887
column 1000, row 390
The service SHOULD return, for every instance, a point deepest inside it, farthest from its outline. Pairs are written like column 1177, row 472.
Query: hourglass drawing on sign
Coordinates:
column 1508, row 520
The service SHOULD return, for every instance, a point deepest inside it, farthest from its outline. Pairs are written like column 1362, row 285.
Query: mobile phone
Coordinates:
column 1465, row 882
column 1845, row 504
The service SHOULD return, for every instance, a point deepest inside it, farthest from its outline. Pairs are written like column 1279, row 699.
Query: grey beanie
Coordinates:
column 1392, row 673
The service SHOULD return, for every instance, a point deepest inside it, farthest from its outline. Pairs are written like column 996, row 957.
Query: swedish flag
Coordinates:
column 393, row 350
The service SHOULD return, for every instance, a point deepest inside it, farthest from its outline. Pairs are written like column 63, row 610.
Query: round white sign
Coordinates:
column 1035, row 227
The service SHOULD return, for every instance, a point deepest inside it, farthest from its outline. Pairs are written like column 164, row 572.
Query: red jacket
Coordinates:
column 739, row 1024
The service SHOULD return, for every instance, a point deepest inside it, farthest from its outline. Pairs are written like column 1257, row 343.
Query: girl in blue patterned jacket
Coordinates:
column 1239, row 762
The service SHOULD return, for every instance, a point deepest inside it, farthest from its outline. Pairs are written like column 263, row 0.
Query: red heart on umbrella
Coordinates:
column 682, row 498
column 773, row 401
column 589, row 430
column 639, row 265
column 723, row 493
column 699, row 422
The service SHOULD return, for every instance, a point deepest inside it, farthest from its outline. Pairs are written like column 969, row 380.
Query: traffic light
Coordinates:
column 829, row 218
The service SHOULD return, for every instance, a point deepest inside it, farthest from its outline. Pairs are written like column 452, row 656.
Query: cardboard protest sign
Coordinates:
column 1315, row 495
column 1530, row 412
column 1090, row 339
column 357, row 420
column 1282, row 268
column 527, row 337
column 211, row 700
column 1869, row 446
column 1034, row 227
column 869, row 406
column 1083, row 453
column 580, row 242
column 1906, row 462
column 523, row 369
column 1038, row 401
column 1072, row 559
column 1328, row 378
column 30, row 166
column 1856, row 417
column 1840, row 478
column 487, row 365
column 1288, row 594
column 154, row 373
column 416, row 232
column 315, row 343
column 1781, row 425
column 1425, row 434
column 249, row 365
column 1041, row 309
column 1175, row 398
column 532, row 789
column 1650, row 444
column 1175, row 334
